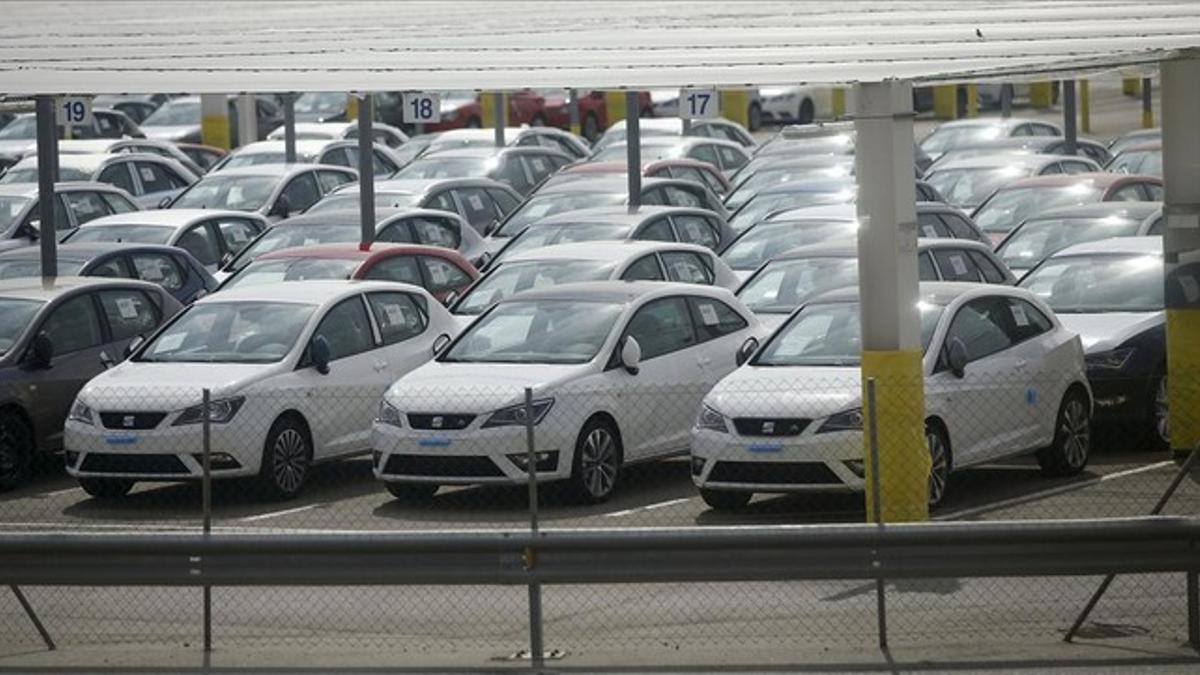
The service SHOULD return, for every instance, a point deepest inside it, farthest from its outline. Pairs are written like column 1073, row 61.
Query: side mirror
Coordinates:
column 41, row 352
column 451, row 298
column 224, row 260
column 440, row 343
column 164, row 202
column 31, row 230
column 956, row 357
column 200, row 294
column 318, row 351
column 134, row 345
column 631, row 355
column 491, row 227
column 282, row 207
column 747, row 350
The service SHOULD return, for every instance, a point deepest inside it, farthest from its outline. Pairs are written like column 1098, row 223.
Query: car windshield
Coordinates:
column 411, row 150
column 11, row 208
column 537, row 236
column 767, row 240
column 545, row 331
column 1099, row 283
column 767, row 178
column 32, row 267
column 1142, row 162
column 174, row 115
column 784, row 285
column 944, row 138
column 256, row 158
column 444, row 167
column 513, row 277
column 320, row 102
column 967, row 188
column 29, row 174
column 240, row 193
column 292, row 269
column 128, row 234
column 828, row 334
column 230, row 332
column 387, row 200
column 763, row 205
column 293, row 236
column 20, row 129
column 1037, row 238
column 651, row 152
column 537, row 208
column 15, row 315
column 1008, row 208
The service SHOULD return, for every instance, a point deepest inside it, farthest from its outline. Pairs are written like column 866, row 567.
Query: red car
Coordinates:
column 461, row 109
column 688, row 169
column 441, row 271
column 593, row 110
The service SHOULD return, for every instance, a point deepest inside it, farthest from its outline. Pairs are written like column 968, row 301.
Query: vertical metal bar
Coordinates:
column 1085, row 106
column 536, row 650
column 531, row 457
column 206, row 499
column 499, row 117
column 573, row 112
column 289, row 128
column 1147, row 104
column 1006, row 94
column 366, row 172
column 633, row 148
column 33, row 618
column 1193, row 609
column 1070, row 116
column 873, row 446
column 47, row 154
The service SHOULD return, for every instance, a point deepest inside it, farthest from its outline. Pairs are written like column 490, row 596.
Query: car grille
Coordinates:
column 774, row 473
column 100, row 462
column 770, row 426
column 438, row 465
column 451, row 421
column 136, row 420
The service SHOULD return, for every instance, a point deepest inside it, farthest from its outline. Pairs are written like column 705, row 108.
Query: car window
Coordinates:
column 158, row 268
column 1129, row 193
column 117, row 203
column 711, row 180
column 398, row 317
column 339, row 157
column 511, row 172
column 1022, row 130
column 645, row 268
column 1025, row 321
column 980, row 324
column 1036, row 129
column 959, row 228
column 714, row 318
column 662, row 326
column 654, row 197
column 991, row 273
column 157, row 178
column 398, row 233
column 347, row 329
column 956, row 265
column 198, row 241
column 442, row 201
column 112, row 268
column 687, row 267
column 677, row 196
column 705, row 153
column 402, row 268
column 383, row 165
column 129, row 313
column 929, row 225
column 235, row 233
column 659, row 230
column 1051, row 169
column 330, row 180
column 1073, row 167
column 302, row 192
column 73, row 325
column 925, row 269
column 1154, row 192
column 478, row 207
column 435, row 232
column 730, row 159
column 118, row 174
column 86, row 205
column 695, row 229
column 504, row 201
column 539, row 166
column 443, row 274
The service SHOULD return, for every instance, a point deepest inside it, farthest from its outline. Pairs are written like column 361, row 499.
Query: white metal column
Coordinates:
column 247, row 119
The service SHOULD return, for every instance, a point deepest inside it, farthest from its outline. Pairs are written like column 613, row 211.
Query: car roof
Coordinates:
column 933, row 292
column 1115, row 245
column 38, row 288
column 166, row 217
column 272, row 169
column 311, row 146
column 1100, row 180
column 1002, row 159
column 352, row 251
column 1149, row 146
column 86, row 250
column 823, row 184
column 420, row 185
column 617, row 215
column 601, row 251
column 612, row 291
column 1131, row 210
column 88, row 162
column 1002, row 122
column 31, row 189
column 316, row 292
column 603, row 182
column 848, row 248
column 348, row 217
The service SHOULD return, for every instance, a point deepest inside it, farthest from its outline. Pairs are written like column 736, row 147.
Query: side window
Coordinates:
column 662, row 326
column 86, row 205
column 434, row 232
column 1129, row 193
column 654, row 197
column 113, row 268
column 991, row 273
column 1073, row 167
column 402, row 268
column 659, row 230
column 129, row 313
column 1023, row 130
column 398, row 316
column 714, row 318
column 705, row 153
column 347, row 329
column 1026, row 321
column 731, row 159
column 925, row 269
column 302, row 192
column 396, row 233
column 539, row 166
column 1156, row 228
column 980, row 325
column 645, row 268
column 696, row 230
column 118, row 175
column 677, row 196
column 157, row 268
column 955, row 265
column 62, row 222
column 960, row 228
column 1154, row 192
column 1051, row 169
column 710, row 179
column 330, row 180
column 338, row 157
column 443, row 274
column 118, row 203
column 157, row 178
column 235, row 233
column 198, row 241
column 442, row 201
column 383, row 165
column 504, row 201
column 478, row 207
column 689, row 268
column 929, row 225
column 73, row 326
column 1043, row 130
column 513, row 173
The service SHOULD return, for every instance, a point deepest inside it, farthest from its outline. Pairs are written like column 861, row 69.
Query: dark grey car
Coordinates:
column 55, row 336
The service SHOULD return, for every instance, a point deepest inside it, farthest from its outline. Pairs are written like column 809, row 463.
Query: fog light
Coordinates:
column 855, row 466
column 546, row 460
column 697, row 466
column 218, row 461
column 72, row 458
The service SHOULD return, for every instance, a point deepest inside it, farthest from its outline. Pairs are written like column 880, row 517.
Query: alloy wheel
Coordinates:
column 1161, row 424
column 598, row 463
column 290, row 460
column 939, row 468
column 1076, row 433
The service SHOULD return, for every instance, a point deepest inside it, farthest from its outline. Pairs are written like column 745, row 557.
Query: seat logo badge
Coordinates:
column 127, row 421
column 437, row 422
column 768, row 427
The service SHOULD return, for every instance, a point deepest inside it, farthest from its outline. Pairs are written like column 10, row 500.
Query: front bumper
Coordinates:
column 471, row 456
column 1121, row 398
column 163, row 453
column 809, row 462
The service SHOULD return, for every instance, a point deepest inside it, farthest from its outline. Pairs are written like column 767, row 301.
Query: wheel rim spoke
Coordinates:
column 598, row 463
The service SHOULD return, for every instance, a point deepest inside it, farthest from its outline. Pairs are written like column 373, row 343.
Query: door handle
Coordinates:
column 381, row 365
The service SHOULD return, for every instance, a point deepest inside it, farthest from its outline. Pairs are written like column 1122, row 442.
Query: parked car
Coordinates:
column 178, row 120
column 481, row 202
column 462, row 109
column 799, row 104
column 717, row 128
column 211, row 236
column 514, row 137
column 966, row 183
column 793, row 195
column 56, row 335
column 318, row 151
column 137, row 107
column 617, row 370
column 686, row 169
column 593, row 110
column 275, row 191
column 386, row 134
column 100, row 146
column 1038, row 237
column 173, row 268
column 949, row 135
column 17, row 135
column 1111, row 293
column 727, row 156
column 323, row 107
column 1135, row 137
column 205, row 156
column 1144, row 159
column 757, row 432
column 151, row 179
column 787, row 170
column 295, row 371
column 75, row 204
column 521, row 168
column 1046, row 145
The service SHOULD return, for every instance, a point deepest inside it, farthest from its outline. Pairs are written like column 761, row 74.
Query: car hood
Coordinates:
column 809, row 391
column 771, row 321
column 1107, row 330
column 171, row 132
column 17, row 146
column 476, row 387
column 169, row 386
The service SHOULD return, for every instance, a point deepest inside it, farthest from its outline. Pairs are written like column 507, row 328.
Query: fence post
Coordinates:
column 206, row 498
column 536, row 652
column 873, row 447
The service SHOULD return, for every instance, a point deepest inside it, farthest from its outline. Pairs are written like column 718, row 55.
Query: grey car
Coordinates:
column 76, row 204
column 55, row 336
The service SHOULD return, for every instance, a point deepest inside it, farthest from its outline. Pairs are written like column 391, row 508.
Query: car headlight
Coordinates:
column 220, row 411
column 389, row 414
column 514, row 415
column 1110, row 360
column 711, row 420
column 848, row 420
column 80, row 413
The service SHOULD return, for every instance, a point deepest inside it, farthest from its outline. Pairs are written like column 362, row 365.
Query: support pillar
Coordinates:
column 351, row 107
column 972, row 101
column 47, row 166
column 1181, row 247
column 1068, row 99
column 499, row 110
column 247, row 119
column 366, row 173
column 614, row 107
column 1131, row 86
column 214, row 121
column 1006, row 97
column 838, row 102
column 633, row 149
column 735, row 106
column 1041, row 95
column 945, row 102
column 1147, row 104
column 1085, row 107
column 574, row 122
column 493, row 107
column 887, row 260
column 289, row 128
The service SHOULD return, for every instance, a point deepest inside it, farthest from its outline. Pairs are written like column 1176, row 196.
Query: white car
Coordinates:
column 151, row 179
column 310, row 151
column 212, row 236
column 295, row 372
column 1001, row 377
column 336, row 131
column 799, row 104
column 617, row 370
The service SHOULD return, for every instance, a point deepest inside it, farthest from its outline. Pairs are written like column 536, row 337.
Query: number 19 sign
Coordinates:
column 74, row 110
column 422, row 108
column 698, row 103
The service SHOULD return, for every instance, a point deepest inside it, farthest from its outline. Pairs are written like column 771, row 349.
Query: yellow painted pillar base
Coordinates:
column 1085, row 107
column 1131, row 86
column 945, row 102
column 1183, row 380
column 1148, row 119
column 614, row 106
column 899, row 415
column 487, row 109
column 735, row 106
column 351, row 107
column 1041, row 95
column 214, row 121
column 972, row 100
column 838, row 102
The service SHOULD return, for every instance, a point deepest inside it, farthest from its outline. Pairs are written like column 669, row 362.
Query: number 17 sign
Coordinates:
column 422, row 108
column 698, row 103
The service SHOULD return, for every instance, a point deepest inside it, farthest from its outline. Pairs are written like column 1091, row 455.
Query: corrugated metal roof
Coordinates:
column 126, row 47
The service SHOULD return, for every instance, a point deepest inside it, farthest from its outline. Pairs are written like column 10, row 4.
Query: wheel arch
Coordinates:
column 19, row 410
column 609, row 419
column 937, row 421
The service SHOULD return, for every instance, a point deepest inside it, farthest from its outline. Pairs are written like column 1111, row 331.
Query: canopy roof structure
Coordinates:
column 102, row 46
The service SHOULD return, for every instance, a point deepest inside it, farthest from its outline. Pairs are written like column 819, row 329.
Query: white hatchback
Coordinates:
column 1001, row 377
column 295, row 372
column 617, row 370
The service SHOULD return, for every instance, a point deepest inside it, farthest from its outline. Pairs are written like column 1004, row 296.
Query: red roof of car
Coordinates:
column 377, row 252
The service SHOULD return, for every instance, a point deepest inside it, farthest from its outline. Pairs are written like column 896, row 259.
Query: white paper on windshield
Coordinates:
column 960, row 267
column 395, row 314
column 1019, row 315
column 438, row 272
column 169, row 343
column 147, row 174
column 683, row 271
column 476, row 202
column 153, row 271
column 1191, row 290
column 928, row 231
column 709, row 314
column 127, row 308
column 539, row 163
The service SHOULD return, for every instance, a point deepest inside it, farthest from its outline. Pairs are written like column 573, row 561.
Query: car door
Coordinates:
column 403, row 323
column 301, row 192
column 696, row 229
column 118, row 174
column 86, row 205
column 75, row 331
column 158, row 182
column 475, row 207
column 1029, row 329
column 200, row 239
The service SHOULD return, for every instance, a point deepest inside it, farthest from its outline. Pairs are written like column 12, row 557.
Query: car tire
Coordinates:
column 591, row 127
column 725, row 500
column 754, row 117
column 286, row 458
column 940, row 463
column 106, row 488
column 806, row 114
column 1068, row 453
column 474, row 123
column 537, row 121
column 418, row 493
column 597, row 464
column 1158, row 430
column 16, row 450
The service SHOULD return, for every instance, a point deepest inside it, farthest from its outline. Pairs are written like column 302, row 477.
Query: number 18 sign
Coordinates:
column 698, row 103
column 422, row 108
